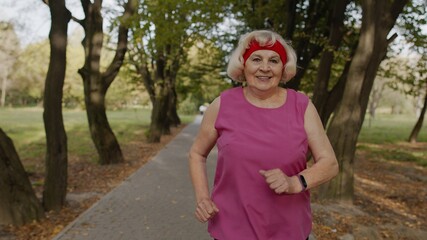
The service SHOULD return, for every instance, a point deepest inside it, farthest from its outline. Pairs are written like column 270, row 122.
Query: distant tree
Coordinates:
column 55, row 184
column 378, row 19
column 376, row 95
column 412, row 81
column 28, row 75
column 202, row 78
column 18, row 202
column 389, row 73
column 410, row 25
column 418, row 125
column 95, row 82
column 9, row 51
column 161, row 38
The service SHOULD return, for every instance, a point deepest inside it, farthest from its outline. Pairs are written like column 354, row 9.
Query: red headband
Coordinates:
column 277, row 47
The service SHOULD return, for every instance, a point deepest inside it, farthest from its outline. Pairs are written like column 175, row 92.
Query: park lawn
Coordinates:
column 26, row 129
column 383, row 137
column 386, row 138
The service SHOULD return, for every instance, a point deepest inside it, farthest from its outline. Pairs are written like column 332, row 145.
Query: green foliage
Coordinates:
column 201, row 78
column 410, row 25
column 164, row 44
column 28, row 75
column 188, row 106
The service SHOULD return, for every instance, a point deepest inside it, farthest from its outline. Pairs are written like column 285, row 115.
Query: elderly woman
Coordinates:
column 263, row 133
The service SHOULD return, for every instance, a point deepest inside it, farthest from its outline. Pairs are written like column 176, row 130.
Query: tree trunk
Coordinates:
column 3, row 89
column 18, row 202
column 159, row 115
column 96, row 84
column 334, row 97
column 336, row 21
column 417, row 128
column 164, row 113
column 55, row 186
column 172, row 110
column 378, row 19
column 305, row 49
column 291, row 12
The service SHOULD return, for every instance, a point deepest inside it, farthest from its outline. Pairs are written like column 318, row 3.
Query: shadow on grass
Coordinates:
column 394, row 152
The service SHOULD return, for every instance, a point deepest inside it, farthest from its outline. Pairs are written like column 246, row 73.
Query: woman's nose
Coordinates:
column 264, row 66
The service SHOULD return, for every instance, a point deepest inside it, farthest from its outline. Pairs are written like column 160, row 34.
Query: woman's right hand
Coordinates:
column 205, row 210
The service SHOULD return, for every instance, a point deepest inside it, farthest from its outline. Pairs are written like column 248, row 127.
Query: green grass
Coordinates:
column 385, row 138
column 25, row 127
column 390, row 129
column 395, row 153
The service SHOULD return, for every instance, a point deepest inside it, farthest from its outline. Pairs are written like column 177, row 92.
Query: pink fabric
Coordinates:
column 250, row 139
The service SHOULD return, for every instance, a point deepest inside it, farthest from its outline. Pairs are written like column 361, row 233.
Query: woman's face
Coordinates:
column 263, row 70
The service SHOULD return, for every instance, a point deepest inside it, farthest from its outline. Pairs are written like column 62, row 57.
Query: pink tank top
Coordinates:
column 251, row 139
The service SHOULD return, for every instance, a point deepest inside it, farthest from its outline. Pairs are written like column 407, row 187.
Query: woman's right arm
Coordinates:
column 203, row 144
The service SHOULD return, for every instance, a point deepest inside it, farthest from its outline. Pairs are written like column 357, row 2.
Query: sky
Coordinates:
column 31, row 18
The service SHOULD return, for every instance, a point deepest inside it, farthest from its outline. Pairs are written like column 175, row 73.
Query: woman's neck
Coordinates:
column 268, row 99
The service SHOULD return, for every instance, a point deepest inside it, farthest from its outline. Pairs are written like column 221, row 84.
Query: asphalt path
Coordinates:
column 156, row 202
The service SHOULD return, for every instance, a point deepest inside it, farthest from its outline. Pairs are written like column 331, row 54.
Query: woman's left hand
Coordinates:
column 280, row 182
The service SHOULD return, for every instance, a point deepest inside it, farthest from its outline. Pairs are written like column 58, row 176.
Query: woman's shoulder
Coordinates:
column 300, row 99
column 231, row 91
column 298, row 95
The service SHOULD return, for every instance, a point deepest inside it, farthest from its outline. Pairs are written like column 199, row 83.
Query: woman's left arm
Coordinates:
column 325, row 165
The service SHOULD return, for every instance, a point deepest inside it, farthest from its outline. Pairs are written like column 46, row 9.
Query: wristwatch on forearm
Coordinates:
column 303, row 182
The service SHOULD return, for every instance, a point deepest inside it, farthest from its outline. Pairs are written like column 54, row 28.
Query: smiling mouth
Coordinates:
column 263, row 77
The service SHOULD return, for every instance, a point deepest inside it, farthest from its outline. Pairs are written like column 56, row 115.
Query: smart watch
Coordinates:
column 303, row 182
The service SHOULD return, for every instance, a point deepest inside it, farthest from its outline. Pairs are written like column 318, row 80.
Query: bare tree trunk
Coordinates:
column 417, row 128
column 378, row 19
column 96, row 84
column 18, row 202
column 55, row 186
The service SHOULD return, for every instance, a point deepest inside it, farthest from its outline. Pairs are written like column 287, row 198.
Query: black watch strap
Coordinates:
column 303, row 182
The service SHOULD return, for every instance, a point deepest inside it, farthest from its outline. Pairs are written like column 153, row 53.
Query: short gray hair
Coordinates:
column 236, row 63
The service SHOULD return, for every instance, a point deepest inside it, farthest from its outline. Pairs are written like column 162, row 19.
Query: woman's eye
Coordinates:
column 256, row 59
column 274, row 60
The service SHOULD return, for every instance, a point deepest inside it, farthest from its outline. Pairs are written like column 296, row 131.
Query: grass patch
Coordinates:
column 26, row 128
column 385, row 138
column 395, row 152
column 386, row 128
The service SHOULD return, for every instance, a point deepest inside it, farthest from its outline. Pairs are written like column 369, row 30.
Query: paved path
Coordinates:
column 156, row 202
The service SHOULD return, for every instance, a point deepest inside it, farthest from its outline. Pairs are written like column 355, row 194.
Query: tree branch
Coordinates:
column 114, row 67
